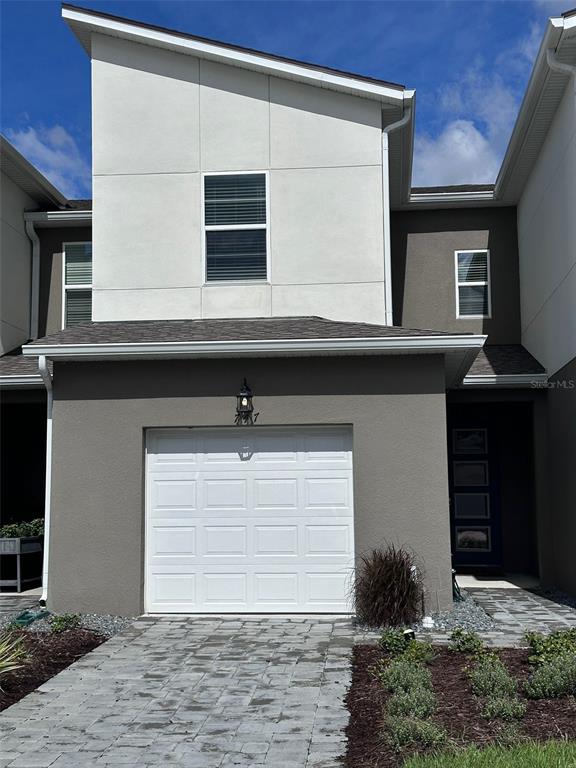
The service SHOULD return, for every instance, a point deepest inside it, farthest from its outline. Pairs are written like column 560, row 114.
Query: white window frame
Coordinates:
column 78, row 286
column 234, row 227
column 472, row 283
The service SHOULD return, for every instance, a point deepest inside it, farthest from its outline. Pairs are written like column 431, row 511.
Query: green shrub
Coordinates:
column 392, row 641
column 418, row 652
column 466, row 642
column 64, row 622
column 418, row 703
column 387, row 588
column 553, row 678
column 546, row 647
column 402, row 675
column 12, row 653
column 489, row 677
column 503, row 708
column 404, row 732
column 19, row 530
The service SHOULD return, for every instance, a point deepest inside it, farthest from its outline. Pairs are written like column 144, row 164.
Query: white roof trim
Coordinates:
column 29, row 178
column 92, row 22
column 534, row 380
column 68, row 218
column 390, row 344
column 21, row 382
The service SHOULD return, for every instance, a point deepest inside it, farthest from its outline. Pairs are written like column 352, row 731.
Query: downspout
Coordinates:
column 386, row 210
column 559, row 66
column 35, row 287
column 47, row 379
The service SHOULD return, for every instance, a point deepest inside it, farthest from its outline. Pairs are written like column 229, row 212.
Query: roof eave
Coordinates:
column 13, row 160
column 84, row 23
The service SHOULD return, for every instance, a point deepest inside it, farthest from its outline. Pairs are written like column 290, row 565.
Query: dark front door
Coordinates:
column 474, row 502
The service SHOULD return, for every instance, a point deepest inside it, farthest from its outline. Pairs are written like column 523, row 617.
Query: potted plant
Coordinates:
column 22, row 539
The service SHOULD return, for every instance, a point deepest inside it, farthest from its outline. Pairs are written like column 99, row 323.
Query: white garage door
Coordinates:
column 249, row 520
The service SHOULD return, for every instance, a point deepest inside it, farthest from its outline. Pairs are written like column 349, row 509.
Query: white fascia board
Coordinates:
column 45, row 219
column 232, row 56
column 506, row 380
column 450, row 197
column 31, row 381
column 532, row 95
column 387, row 345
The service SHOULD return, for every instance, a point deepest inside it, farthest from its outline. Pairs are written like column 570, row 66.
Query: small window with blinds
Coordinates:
column 77, row 283
column 473, row 284
column 235, row 227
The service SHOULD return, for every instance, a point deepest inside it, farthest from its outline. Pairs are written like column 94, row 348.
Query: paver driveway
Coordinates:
column 193, row 691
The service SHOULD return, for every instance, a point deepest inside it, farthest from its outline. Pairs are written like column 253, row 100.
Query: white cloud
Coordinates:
column 56, row 154
column 480, row 111
column 459, row 155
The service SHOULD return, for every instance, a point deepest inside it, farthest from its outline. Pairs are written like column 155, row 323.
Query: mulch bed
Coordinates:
column 458, row 710
column 48, row 654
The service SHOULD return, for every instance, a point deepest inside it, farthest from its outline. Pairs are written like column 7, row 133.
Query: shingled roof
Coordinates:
column 243, row 329
column 505, row 360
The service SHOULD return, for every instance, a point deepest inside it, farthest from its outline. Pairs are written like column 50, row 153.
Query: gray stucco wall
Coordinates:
column 396, row 407
column 558, row 556
column 51, row 250
column 423, row 280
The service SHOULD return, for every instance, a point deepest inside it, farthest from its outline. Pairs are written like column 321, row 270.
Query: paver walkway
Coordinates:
column 193, row 691
column 519, row 611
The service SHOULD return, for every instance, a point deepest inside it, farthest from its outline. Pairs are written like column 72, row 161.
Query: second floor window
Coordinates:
column 473, row 284
column 235, row 224
column 77, row 283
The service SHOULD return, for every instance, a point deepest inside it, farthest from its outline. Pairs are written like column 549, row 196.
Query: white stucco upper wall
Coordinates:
column 161, row 119
column 15, row 266
column 547, row 244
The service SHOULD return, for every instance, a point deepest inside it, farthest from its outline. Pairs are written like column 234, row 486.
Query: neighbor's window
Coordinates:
column 77, row 283
column 235, row 220
column 473, row 284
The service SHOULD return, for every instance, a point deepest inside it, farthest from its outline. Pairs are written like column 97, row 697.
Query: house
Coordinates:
column 254, row 234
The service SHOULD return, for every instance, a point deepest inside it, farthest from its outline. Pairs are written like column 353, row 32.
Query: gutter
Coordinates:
column 31, row 381
column 531, row 380
column 404, row 120
column 559, row 66
column 173, row 349
column 35, row 287
column 47, row 379
column 73, row 218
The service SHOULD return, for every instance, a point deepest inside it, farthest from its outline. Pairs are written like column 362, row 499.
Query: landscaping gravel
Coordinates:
column 466, row 614
column 107, row 626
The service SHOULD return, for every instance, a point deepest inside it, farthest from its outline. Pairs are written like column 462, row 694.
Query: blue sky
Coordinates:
column 469, row 62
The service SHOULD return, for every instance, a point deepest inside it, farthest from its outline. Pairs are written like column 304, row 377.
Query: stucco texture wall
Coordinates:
column 322, row 153
column 395, row 406
column 423, row 276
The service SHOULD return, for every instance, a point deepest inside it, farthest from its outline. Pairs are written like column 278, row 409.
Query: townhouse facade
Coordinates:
column 254, row 240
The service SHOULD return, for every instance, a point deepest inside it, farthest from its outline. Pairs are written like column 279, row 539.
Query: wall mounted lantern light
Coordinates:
column 244, row 406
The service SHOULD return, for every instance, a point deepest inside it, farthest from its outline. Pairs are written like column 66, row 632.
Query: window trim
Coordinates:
column 486, row 283
column 234, row 227
column 78, row 286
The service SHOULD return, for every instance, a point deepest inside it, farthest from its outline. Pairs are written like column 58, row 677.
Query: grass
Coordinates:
column 551, row 754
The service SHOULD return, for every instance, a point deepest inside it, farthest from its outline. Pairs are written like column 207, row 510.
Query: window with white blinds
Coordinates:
column 77, row 302
column 235, row 224
column 473, row 284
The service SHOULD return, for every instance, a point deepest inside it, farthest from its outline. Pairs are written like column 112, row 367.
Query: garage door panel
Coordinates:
column 267, row 531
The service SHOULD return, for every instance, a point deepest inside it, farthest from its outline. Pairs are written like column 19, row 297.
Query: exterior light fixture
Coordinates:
column 244, row 406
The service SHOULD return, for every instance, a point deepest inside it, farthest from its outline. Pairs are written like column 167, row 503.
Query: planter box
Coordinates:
column 23, row 545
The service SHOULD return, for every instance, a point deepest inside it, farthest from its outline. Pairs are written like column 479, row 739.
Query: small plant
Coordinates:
column 12, row 653
column 489, row 677
column 547, row 647
column 392, row 641
column 466, row 642
column 503, row 708
column 418, row 652
column 418, row 703
column 387, row 588
column 553, row 678
column 64, row 622
column 21, row 530
column 402, row 675
column 405, row 732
